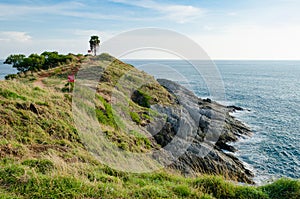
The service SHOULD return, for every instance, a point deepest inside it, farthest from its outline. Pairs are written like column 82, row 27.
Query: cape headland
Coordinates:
column 43, row 155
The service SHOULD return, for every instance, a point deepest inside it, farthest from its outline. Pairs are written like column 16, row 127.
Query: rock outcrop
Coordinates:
column 197, row 132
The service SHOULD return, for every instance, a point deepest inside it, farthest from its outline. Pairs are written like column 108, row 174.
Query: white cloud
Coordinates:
column 175, row 12
column 252, row 42
column 14, row 36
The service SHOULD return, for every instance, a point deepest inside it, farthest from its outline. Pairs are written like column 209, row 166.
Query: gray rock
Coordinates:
column 196, row 132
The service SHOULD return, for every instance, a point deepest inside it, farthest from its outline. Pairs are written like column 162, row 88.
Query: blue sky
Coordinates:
column 226, row 29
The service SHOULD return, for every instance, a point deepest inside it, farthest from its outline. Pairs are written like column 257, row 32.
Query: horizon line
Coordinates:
column 234, row 59
column 217, row 59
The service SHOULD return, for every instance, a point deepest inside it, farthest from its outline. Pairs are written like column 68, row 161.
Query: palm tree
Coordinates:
column 94, row 43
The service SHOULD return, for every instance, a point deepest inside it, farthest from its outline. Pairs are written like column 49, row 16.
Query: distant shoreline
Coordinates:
column 6, row 69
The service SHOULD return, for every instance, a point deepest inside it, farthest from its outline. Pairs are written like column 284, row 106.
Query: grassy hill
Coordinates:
column 42, row 155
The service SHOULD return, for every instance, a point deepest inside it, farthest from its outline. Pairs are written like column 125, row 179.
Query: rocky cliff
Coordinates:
column 208, row 127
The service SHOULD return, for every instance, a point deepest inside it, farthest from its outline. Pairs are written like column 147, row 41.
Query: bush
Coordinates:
column 11, row 76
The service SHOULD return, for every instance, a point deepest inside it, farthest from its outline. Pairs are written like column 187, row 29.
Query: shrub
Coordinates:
column 11, row 76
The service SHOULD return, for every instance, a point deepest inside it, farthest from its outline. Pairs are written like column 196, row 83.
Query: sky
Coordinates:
column 225, row 29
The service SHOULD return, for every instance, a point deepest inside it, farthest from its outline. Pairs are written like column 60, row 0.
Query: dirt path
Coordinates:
column 39, row 82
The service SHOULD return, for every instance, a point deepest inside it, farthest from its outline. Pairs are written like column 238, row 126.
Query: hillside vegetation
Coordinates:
column 42, row 155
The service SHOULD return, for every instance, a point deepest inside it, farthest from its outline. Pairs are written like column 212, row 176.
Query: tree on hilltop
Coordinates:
column 94, row 43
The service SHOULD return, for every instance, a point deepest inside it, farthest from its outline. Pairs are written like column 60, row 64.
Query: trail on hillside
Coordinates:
column 39, row 82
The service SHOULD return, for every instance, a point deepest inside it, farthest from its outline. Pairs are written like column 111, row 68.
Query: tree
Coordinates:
column 14, row 59
column 51, row 59
column 17, row 62
column 94, row 43
column 37, row 62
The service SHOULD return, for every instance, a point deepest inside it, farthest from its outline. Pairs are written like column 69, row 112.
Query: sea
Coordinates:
column 5, row 70
column 269, row 92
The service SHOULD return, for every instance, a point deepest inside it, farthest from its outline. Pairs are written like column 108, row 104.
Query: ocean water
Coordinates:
column 269, row 89
column 271, row 92
column 6, row 69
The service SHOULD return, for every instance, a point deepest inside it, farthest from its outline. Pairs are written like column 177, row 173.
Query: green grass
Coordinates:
column 11, row 95
column 283, row 188
column 103, row 182
column 40, row 165
column 105, row 116
column 135, row 117
column 183, row 190
column 134, row 141
column 221, row 189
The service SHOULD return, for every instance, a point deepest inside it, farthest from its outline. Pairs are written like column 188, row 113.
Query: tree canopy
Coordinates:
column 35, row 62
column 94, row 43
